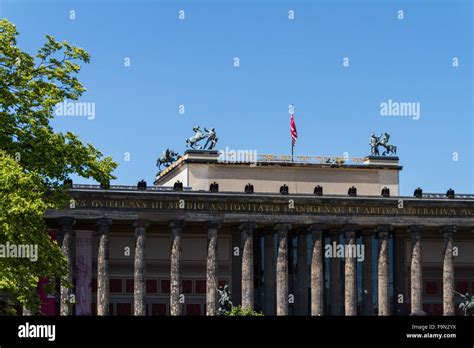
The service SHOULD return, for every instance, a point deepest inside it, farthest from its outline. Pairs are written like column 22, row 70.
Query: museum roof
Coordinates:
column 265, row 160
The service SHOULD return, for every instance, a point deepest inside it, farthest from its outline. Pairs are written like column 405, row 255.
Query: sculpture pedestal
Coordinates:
column 202, row 154
column 381, row 160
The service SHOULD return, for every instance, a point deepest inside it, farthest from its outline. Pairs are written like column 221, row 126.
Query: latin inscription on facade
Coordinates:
column 302, row 208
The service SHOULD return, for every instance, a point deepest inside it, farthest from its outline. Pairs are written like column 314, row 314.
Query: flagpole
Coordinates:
column 292, row 111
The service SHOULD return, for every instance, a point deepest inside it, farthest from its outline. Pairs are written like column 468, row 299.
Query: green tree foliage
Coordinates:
column 22, row 208
column 35, row 159
column 239, row 311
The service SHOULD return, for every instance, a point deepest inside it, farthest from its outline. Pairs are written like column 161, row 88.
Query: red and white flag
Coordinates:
column 293, row 132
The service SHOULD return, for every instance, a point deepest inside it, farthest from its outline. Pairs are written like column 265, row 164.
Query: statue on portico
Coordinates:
column 211, row 138
column 382, row 140
column 389, row 148
column 193, row 142
column 197, row 137
column 167, row 157
column 225, row 305
column 468, row 305
column 374, row 145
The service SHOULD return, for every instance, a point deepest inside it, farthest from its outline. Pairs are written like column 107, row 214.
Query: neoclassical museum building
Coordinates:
column 309, row 236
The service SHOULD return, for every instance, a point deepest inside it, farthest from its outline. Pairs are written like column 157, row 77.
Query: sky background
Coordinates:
column 190, row 62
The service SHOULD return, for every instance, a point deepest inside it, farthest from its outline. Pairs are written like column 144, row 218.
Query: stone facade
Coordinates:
column 284, row 254
column 251, row 241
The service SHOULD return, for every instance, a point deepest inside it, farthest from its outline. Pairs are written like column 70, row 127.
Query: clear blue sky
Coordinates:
column 282, row 61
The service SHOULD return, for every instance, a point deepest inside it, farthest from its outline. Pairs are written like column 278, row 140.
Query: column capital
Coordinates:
column 66, row 222
column 317, row 227
column 449, row 229
column 176, row 224
column 141, row 223
column 214, row 225
column 334, row 233
column 350, row 234
column 282, row 227
column 415, row 231
column 247, row 226
column 384, row 230
column 103, row 225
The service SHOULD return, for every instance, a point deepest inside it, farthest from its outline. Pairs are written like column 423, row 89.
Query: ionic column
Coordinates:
column 335, row 282
column 269, row 276
column 247, row 263
column 65, row 227
column 416, row 269
column 350, row 299
column 282, row 269
column 103, row 266
column 383, row 300
column 302, row 273
column 139, row 268
column 367, row 274
column 448, row 270
column 317, row 266
column 175, row 275
column 211, row 268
